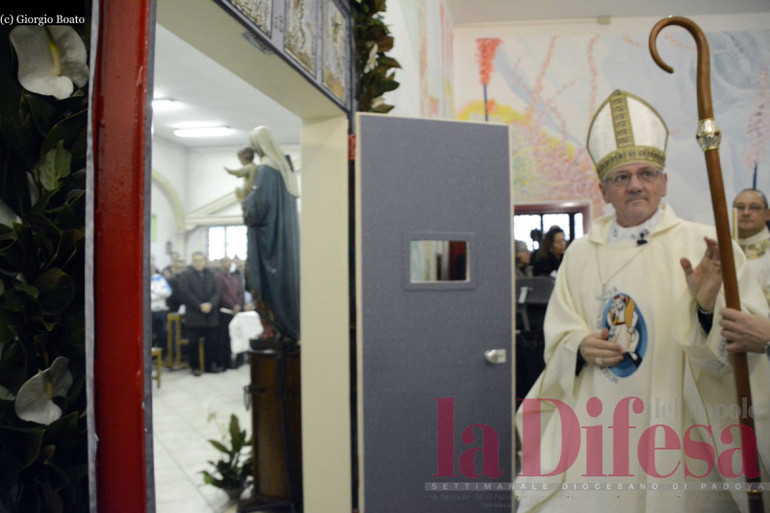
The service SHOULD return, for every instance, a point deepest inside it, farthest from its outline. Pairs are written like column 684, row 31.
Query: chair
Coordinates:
column 157, row 357
column 532, row 296
column 174, row 343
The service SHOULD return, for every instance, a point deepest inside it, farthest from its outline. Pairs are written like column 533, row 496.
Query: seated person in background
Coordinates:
column 174, row 301
column 160, row 291
column 548, row 257
column 523, row 257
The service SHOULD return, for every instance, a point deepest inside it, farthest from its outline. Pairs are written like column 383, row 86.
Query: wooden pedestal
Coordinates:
column 276, row 428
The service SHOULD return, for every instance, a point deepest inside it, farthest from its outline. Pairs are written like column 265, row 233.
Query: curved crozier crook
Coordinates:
column 705, row 109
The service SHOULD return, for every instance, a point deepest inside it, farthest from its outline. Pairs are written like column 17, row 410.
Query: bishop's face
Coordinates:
column 635, row 191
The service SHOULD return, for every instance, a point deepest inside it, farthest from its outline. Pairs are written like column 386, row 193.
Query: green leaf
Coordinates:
column 53, row 503
column 11, row 257
column 14, row 302
column 388, row 85
column 19, row 448
column 14, row 187
column 219, row 446
column 71, row 132
column 57, row 290
column 71, row 213
column 383, row 108
column 64, row 431
column 71, row 241
column 208, row 478
column 5, row 394
column 27, row 289
column 47, row 324
column 43, row 114
column 54, row 166
column 385, row 43
column 18, row 132
column 388, row 62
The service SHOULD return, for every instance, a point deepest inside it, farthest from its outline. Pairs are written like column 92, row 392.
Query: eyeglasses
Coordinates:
column 622, row 179
column 754, row 207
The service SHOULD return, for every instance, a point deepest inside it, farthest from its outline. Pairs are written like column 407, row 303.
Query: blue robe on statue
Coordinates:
column 270, row 213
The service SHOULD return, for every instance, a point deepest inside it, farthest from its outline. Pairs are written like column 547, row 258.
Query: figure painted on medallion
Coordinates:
column 627, row 328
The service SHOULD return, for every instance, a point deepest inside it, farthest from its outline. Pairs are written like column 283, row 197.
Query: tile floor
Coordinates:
column 187, row 411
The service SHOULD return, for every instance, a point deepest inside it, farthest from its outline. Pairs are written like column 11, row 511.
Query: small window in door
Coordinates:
column 438, row 261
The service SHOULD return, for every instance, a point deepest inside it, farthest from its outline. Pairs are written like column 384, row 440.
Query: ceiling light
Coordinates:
column 165, row 104
column 204, row 131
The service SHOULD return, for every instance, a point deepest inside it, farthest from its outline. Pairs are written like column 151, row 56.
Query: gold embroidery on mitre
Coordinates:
column 626, row 148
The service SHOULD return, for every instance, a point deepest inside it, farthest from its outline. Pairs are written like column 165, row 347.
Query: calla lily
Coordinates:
column 7, row 216
column 52, row 59
column 34, row 401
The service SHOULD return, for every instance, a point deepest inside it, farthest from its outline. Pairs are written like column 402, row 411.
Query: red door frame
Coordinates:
column 119, row 138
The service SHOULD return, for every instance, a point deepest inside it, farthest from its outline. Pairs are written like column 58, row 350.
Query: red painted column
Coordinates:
column 119, row 123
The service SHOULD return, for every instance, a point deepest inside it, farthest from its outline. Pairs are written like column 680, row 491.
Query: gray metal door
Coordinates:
column 434, row 315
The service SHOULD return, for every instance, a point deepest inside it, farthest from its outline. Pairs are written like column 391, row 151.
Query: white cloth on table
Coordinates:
column 244, row 326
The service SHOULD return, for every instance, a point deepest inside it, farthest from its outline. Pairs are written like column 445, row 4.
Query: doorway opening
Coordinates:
column 224, row 78
column 532, row 220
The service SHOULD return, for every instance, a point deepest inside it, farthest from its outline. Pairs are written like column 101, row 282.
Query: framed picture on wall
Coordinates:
column 258, row 11
column 301, row 30
column 335, row 49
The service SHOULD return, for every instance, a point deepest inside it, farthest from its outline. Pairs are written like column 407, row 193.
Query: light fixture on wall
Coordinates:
column 204, row 131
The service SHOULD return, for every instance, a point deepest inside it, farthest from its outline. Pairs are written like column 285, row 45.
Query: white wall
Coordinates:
column 405, row 99
column 170, row 161
column 422, row 32
column 549, row 78
column 165, row 227
column 206, row 178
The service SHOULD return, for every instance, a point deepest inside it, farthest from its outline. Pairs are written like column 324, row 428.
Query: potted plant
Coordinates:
column 232, row 471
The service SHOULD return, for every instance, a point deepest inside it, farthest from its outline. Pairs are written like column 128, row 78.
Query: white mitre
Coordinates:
column 626, row 130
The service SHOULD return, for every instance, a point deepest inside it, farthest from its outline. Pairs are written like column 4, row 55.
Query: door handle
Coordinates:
column 496, row 356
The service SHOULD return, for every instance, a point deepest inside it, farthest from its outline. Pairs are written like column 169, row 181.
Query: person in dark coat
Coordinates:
column 199, row 291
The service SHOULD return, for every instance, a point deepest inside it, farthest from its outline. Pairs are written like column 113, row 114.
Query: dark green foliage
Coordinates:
column 374, row 75
column 43, row 468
